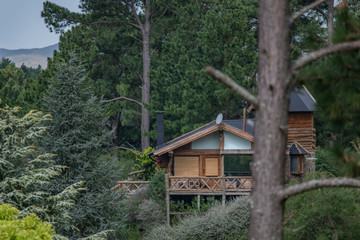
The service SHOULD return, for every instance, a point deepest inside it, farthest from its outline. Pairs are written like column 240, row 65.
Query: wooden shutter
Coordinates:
column 186, row 166
column 211, row 166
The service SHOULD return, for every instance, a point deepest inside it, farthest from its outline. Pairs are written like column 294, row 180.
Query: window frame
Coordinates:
column 300, row 164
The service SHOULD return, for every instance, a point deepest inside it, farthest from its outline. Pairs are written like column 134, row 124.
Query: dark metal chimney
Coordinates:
column 160, row 127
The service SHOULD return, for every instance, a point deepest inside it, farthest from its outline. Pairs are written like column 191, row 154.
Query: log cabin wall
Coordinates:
column 301, row 129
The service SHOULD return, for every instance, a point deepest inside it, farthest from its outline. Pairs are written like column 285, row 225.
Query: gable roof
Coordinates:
column 301, row 100
column 232, row 126
column 297, row 149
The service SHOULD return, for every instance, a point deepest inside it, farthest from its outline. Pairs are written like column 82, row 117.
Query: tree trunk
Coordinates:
column 145, row 91
column 274, row 88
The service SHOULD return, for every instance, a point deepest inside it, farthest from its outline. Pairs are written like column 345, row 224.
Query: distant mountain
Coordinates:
column 29, row 57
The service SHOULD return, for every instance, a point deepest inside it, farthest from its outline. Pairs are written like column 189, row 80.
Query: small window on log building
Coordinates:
column 297, row 164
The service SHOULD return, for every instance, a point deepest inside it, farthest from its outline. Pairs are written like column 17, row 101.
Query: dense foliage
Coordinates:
column 99, row 58
column 221, row 34
column 79, row 137
column 331, row 213
column 335, row 82
column 20, row 86
column 26, row 173
column 29, row 227
column 220, row 222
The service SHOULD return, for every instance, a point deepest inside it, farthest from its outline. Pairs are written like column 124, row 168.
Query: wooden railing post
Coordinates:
column 223, row 190
column 167, row 199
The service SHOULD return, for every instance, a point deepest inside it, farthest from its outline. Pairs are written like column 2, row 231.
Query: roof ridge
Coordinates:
column 189, row 133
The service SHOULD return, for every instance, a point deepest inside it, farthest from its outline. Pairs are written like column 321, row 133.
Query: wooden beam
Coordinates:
column 186, row 140
column 237, row 152
column 196, row 152
column 239, row 133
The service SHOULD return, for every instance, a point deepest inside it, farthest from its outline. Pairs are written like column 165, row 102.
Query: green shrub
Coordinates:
column 329, row 213
column 157, row 189
column 229, row 222
column 29, row 227
column 144, row 162
column 150, row 214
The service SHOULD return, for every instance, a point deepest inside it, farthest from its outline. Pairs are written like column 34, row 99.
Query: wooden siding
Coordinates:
column 301, row 120
column 306, row 137
column 301, row 130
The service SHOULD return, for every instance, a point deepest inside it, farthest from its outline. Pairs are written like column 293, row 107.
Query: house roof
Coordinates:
column 233, row 126
column 302, row 101
column 297, row 149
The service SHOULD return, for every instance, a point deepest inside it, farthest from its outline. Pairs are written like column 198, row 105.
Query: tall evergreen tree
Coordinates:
column 216, row 33
column 25, row 173
column 79, row 138
column 132, row 21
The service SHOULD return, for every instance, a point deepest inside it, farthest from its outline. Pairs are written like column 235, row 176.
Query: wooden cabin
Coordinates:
column 215, row 158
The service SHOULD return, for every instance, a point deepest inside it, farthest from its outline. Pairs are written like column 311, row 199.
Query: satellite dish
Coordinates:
column 219, row 118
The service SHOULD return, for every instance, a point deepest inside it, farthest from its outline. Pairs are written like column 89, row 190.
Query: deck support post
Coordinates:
column 198, row 202
column 223, row 190
column 167, row 199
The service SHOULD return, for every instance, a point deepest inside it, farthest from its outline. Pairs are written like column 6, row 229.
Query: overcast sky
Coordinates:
column 21, row 24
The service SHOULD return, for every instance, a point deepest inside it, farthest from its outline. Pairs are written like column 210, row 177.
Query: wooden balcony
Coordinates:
column 129, row 186
column 208, row 185
column 176, row 185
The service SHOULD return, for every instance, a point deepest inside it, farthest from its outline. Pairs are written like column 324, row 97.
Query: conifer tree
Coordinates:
column 221, row 34
column 78, row 136
column 25, row 172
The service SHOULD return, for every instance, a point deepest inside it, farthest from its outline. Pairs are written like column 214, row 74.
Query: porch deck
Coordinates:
column 177, row 185
column 199, row 185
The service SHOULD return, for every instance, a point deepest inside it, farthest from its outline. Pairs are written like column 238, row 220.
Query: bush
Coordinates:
column 29, row 227
column 157, row 189
column 229, row 222
column 150, row 214
column 144, row 162
column 329, row 213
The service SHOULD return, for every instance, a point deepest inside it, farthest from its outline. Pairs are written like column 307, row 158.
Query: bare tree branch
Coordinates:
column 134, row 25
column 135, row 38
column 133, row 10
column 305, row 9
column 157, row 7
column 318, row 183
column 239, row 90
column 322, row 12
column 123, row 98
column 125, row 148
column 340, row 47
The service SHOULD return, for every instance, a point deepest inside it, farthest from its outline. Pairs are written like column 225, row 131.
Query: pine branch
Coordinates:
column 123, row 98
column 309, row 58
column 305, row 9
column 236, row 88
column 316, row 184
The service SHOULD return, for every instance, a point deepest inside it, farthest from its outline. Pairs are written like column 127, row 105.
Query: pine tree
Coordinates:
column 216, row 33
column 25, row 172
column 78, row 136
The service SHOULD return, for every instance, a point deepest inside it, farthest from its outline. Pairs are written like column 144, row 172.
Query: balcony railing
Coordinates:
column 198, row 185
column 194, row 185
column 129, row 186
